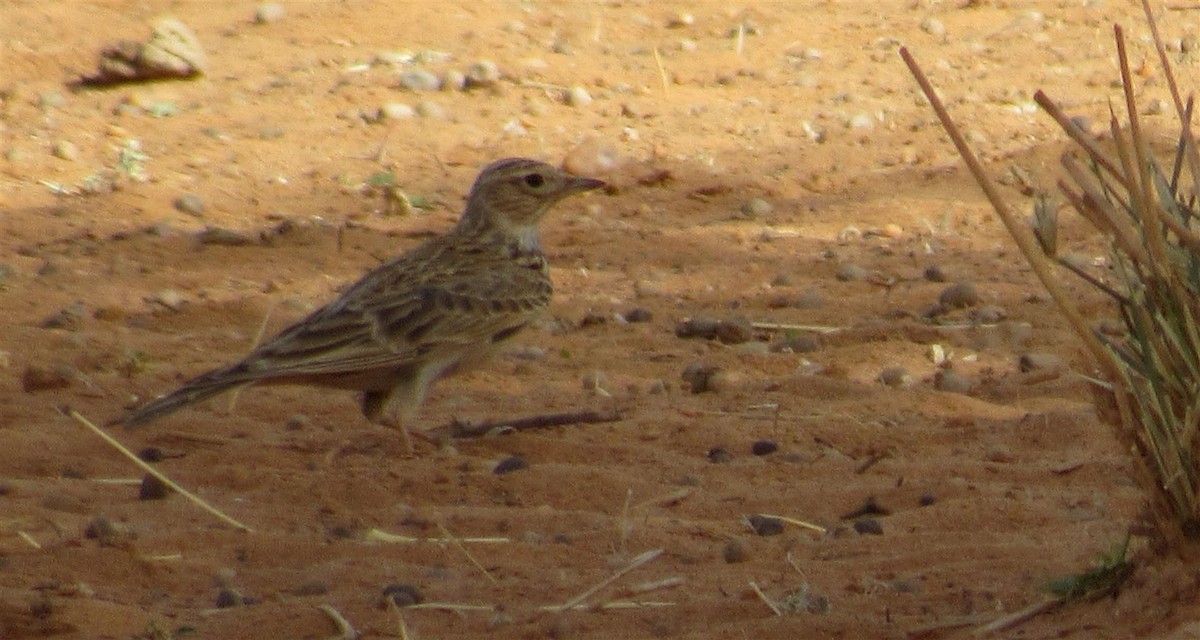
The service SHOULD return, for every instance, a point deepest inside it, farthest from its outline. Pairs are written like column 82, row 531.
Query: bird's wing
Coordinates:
column 382, row 324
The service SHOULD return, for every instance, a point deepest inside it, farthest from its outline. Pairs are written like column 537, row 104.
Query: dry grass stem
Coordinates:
column 762, row 596
column 452, row 606
column 799, row 523
column 663, row 80
column 166, row 557
column 378, row 535
column 345, row 630
column 1017, row 617
column 29, row 540
column 668, row 500
column 471, row 557
column 401, row 625
column 155, row 472
column 590, row 591
column 776, row 326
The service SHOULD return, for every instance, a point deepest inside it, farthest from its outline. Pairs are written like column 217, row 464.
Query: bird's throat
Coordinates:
column 526, row 241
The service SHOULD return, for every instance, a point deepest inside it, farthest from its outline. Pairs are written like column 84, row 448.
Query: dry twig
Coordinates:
column 154, row 472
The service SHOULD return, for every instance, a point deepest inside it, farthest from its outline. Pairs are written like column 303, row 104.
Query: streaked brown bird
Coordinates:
column 432, row 312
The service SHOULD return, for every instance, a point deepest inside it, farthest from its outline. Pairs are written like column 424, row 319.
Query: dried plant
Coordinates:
column 1147, row 208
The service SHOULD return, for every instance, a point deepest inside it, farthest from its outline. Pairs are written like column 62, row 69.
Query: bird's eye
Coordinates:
column 535, row 180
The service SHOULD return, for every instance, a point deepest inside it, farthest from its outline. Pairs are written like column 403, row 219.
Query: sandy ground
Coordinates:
column 978, row 496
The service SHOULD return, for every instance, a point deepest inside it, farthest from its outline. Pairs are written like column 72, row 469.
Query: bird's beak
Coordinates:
column 579, row 185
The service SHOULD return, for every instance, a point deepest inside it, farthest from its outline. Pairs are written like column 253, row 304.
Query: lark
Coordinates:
column 437, row 310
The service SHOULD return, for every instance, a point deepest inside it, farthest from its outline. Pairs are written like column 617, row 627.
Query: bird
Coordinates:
column 436, row 310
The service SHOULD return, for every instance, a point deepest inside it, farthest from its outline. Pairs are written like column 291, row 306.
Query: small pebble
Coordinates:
column 868, row 526
column 796, row 343
column 483, row 73
column 756, row 208
column 681, row 19
column 402, row 595
column 1041, row 362
column 454, row 80
column 577, row 96
column 228, row 597
column 698, row 327
column 430, row 109
column 222, row 237
column 861, row 121
column 927, row 499
column 765, row 525
column 719, row 455
column 420, row 80
column 764, row 447
column 933, row 27
column 593, row 319
column 102, row 530
column 958, row 296
column 990, row 314
column 190, row 204
column 151, row 454
column 268, row 12
column 697, row 376
column 169, row 298
column 852, row 273
column 638, row 314
column 66, row 150
column 50, row 100
column 595, row 381
column 734, row 331
column 895, row 377
column 735, row 551
column 396, row 111
column 270, row 132
column 510, row 464
column 933, row 273
column 37, row 378
column 152, row 488
column 296, row 422
column 633, row 110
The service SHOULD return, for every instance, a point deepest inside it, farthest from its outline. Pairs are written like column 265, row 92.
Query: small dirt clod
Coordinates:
column 509, row 465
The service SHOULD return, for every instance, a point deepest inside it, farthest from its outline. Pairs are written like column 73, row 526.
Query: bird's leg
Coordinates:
column 387, row 409
column 396, row 421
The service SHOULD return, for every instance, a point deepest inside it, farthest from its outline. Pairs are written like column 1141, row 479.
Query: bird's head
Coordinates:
column 513, row 194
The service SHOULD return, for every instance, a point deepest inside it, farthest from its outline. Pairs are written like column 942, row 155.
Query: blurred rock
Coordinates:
column 173, row 51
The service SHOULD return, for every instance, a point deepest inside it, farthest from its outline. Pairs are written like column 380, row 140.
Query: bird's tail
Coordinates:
column 196, row 390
